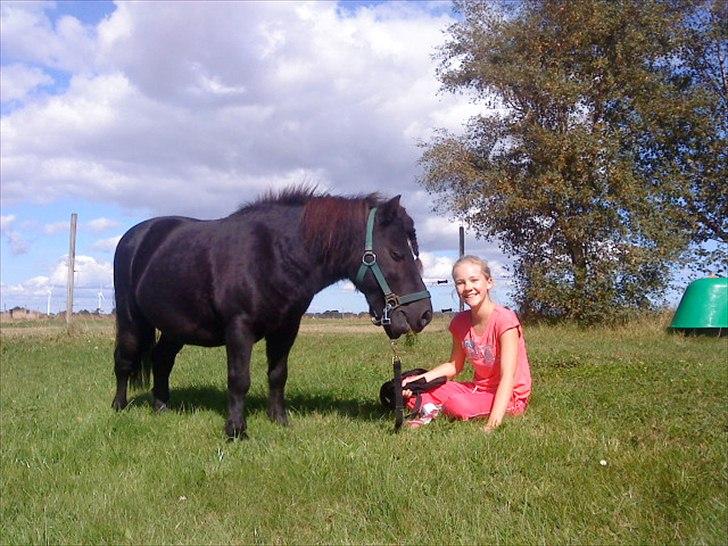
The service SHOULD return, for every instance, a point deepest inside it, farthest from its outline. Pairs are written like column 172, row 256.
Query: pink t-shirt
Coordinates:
column 483, row 351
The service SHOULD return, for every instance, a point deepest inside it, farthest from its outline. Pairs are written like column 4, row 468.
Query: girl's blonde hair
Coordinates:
column 476, row 261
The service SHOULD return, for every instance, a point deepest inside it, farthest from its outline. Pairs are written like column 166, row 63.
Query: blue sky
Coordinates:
column 122, row 111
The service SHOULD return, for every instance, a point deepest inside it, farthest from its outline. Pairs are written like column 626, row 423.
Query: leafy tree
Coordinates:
column 580, row 168
column 702, row 71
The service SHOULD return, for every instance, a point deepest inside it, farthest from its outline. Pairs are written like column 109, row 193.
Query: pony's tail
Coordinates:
column 140, row 377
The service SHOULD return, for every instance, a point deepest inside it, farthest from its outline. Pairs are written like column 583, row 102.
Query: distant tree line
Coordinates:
column 598, row 162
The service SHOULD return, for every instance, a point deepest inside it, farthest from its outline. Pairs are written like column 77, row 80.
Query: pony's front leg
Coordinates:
column 239, row 345
column 278, row 346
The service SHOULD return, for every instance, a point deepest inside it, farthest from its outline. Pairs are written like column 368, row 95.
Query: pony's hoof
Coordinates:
column 279, row 417
column 118, row 405
column 233, row 432
column 160, row 406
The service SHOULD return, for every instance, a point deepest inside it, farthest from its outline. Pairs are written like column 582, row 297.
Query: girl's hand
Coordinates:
column 491, row 425
column 406, row 393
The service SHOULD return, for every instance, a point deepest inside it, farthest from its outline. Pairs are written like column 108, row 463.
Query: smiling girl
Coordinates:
column 491, row 338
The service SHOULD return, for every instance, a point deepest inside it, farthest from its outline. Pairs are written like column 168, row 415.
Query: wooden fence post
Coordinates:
column 71, row 267
column 462, row 253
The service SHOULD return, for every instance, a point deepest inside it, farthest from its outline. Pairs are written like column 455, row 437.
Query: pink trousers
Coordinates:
column 464, row 401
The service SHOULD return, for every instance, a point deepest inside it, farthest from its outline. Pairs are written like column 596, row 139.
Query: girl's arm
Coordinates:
column 508, row 358
column 448, row 369
column 453, row 367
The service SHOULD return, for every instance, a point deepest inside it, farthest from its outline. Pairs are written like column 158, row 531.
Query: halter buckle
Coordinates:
column 369, row 255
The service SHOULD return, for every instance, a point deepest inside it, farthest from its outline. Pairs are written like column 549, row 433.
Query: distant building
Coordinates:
column 21, row 313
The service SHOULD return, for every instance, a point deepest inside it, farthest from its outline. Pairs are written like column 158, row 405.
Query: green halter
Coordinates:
column 369, row 262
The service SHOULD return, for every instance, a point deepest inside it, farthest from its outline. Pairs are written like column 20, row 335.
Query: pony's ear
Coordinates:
column 389, row 210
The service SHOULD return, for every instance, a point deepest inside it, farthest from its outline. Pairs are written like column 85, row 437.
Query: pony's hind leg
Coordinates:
column 163, row 355
column 132, row 341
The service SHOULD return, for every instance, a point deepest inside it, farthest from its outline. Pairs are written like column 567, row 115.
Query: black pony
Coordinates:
column 252, row 275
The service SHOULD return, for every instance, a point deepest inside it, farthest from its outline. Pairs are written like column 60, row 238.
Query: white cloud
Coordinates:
column 346, row 286
column 436, row 267
column 17, row 81
column 90, row 273
column 101, row 224
column 36, row 286
column 193, row 107
column 92, row 276
column 56, row 227
column 106, row 245
column 438, row 233
column 29, row 36
column 18, row 244
column 6, row 221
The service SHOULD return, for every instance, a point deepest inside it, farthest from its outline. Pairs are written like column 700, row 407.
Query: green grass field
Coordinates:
column 652, row 405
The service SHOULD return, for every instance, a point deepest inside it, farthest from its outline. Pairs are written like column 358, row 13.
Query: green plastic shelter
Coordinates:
column 703, row 308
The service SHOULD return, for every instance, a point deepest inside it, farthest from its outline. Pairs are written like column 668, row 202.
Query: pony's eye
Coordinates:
column 396, row 255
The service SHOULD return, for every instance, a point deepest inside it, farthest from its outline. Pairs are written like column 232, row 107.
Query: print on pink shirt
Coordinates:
column 480, row 352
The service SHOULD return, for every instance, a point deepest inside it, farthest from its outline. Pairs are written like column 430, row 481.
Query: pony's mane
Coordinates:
column 321, row 211
column 347, row 215
column 292, row 196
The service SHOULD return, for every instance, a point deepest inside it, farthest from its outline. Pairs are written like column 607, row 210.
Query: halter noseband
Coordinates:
column 369, row 261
